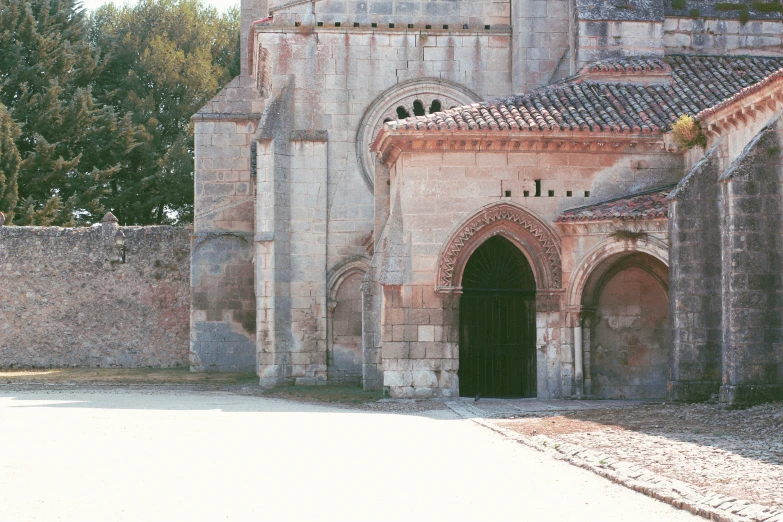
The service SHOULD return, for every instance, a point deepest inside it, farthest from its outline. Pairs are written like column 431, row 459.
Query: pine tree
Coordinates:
column 164, row 60
column 9, row 164
column 72, row 148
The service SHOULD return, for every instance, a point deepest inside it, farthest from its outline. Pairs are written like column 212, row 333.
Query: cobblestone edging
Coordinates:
column 699, row 501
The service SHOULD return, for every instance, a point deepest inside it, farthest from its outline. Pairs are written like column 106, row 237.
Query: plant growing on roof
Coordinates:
column 687, row 133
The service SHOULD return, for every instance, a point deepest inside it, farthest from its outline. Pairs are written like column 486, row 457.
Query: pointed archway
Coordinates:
column 497, row 341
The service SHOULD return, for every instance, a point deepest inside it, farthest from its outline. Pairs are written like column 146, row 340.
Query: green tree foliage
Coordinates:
column 164, row 59
column 73, row 149
column 102, row 106
column 9, row 164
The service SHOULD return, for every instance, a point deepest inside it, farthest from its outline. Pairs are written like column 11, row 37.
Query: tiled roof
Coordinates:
column 636, row 65
column 651, row 204
column 698, row 86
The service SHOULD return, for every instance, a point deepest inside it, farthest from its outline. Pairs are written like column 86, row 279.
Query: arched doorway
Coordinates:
column 497, row 355
column 344, row 358
column 629, row 332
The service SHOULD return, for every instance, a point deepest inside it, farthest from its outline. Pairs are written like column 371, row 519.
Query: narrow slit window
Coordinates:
column 538, row 188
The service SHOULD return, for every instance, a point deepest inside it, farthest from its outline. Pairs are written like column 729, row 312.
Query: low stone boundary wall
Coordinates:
column 67, row 299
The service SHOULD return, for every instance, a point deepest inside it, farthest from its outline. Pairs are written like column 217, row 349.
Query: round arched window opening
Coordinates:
column 399, row 102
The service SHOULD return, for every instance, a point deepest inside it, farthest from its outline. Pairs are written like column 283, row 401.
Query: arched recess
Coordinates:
column 408, row 97
column 604, row 255
column 537, row 241
column 624, row 299
column 344, row 321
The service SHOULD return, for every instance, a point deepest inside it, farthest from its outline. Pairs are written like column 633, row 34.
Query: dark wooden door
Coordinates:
column 497, row 356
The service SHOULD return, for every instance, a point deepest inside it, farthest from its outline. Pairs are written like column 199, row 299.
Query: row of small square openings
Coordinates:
column 392, row 25
column 550, row 193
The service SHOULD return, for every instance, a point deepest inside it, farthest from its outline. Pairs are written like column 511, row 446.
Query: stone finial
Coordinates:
column 109, row 218
column 2, row 219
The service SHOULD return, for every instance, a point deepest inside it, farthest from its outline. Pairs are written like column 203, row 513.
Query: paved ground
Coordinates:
column 729, row 462
column 151, row 455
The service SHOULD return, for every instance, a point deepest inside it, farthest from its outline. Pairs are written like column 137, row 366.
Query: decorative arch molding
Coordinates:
column 608, row 249
column 536, row 239
column 342, row 271
column 404, row 94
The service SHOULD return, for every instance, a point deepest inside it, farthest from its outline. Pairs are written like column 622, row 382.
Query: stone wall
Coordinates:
column 613, row 40
column 420, row 330
column 613, row 30
column 433, row 12
column 67, row 300
column 726, row 278
column 720, row 36
column 752, row 266
column 223, row 315
column 543, row 41
column 695, row 282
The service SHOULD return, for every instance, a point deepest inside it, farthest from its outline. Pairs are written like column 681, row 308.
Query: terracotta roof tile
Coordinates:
column 651, row 204
column 635, row 65
column 699, row 85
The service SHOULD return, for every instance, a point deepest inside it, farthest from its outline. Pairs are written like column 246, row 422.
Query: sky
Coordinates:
column 221, row 5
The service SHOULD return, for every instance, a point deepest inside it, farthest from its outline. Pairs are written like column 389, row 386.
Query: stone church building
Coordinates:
column 461, row 197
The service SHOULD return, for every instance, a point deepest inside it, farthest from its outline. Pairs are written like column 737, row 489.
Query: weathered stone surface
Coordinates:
column 66, row 299
column 630, row 342
column 695, row 279
column 288, row 189
column 753, row 262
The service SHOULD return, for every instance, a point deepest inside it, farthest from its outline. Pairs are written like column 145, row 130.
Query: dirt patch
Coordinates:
column 122, row 376
column 550, row 426
column 352, row 397
column 239, row 383
column 347, row 395
column 733, row 452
